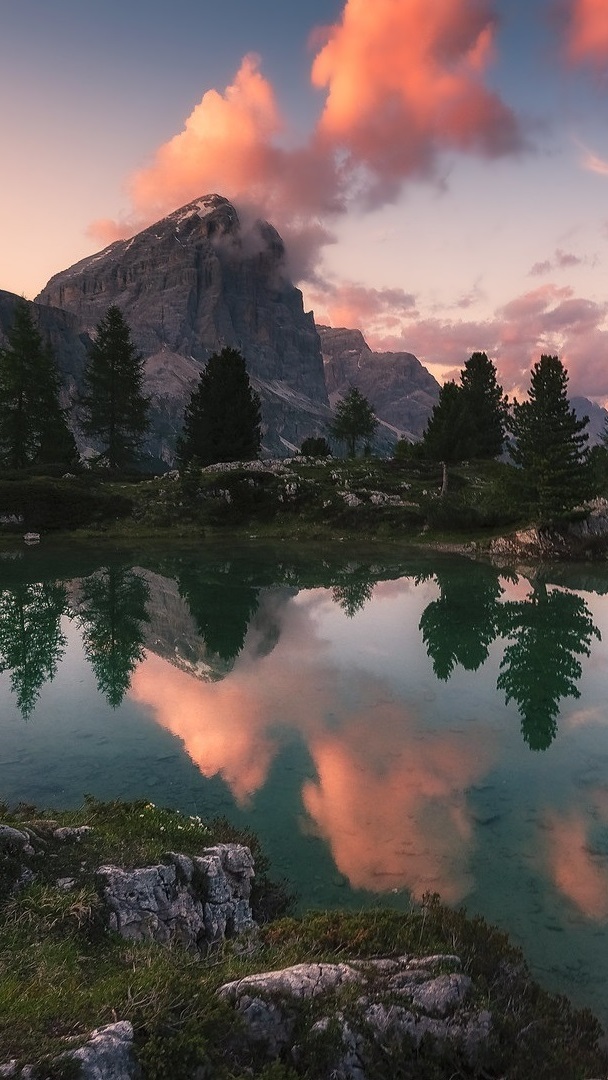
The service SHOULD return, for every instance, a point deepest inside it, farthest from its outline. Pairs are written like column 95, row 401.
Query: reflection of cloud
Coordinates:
column 391, row 805
column 581, row 874
column 394, row 809
column 581, row 717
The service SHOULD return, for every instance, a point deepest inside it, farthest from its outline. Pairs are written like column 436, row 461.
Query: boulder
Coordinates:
column 195, row 902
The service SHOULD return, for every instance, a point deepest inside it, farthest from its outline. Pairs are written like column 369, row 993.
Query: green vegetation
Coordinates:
column 550, row 444
column 33, row 426
column 49, row 939
column 353, row 420
column 222, row 418
column 115, row 411
column 468, row 421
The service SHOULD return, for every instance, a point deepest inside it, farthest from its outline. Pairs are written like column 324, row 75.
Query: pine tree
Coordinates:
column 445, row 436
column 549, row 443
column 222, row 419
column 33, row 425
column 485, row 408
column 115, row 410
column 353, row 420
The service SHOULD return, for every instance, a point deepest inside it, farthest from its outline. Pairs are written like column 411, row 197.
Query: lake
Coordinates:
column 389, row 725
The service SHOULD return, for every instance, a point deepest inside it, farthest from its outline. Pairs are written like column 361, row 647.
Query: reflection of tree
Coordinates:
column 460, row 627
column 549, row 630
column 222, row 610
column 352, row 595
column 112, row 611
column 31, row 641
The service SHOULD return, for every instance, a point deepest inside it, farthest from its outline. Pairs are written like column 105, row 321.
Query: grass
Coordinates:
column 304, row 500
column 62, row 973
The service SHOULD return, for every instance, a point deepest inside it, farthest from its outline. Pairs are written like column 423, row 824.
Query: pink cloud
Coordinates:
column 546, row 319
column 588, row 31
column 404, row 81
column 561, row 260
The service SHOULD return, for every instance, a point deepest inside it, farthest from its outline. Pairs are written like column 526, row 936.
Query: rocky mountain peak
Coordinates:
column 401, row 391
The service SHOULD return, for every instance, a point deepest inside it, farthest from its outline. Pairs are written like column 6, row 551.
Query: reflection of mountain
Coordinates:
column 200, row 625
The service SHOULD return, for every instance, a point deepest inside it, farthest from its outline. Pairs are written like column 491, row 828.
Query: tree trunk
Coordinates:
column 444, row 480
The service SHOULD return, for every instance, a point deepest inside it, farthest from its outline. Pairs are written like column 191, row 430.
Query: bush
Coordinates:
column 48, row 504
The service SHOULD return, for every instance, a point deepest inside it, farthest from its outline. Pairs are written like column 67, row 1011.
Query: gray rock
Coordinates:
column 195, row 902
column 71, row 834
column 14, row 842
column 271, row 1003
column 108, row 1054
column 302, row 981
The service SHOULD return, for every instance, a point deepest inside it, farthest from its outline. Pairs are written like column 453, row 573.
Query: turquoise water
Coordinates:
column 389, row 726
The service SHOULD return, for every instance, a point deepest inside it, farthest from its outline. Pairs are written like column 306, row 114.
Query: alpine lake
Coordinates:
column 390, row 725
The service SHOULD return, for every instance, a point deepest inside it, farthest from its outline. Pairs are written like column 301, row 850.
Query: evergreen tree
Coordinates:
column 222, row 419
column 115, row 410
column 33, row 425
column 549, row 443
column 445, row 436
column 353, row 420
column 485, row 408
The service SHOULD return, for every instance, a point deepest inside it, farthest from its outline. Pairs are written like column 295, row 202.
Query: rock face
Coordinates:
column 191, row 284
column 63, row 332
column 402, row 392
column 194, row 902
column 400, row 1002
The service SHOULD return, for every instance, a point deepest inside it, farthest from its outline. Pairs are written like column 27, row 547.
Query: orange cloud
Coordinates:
column 404, row 80
column 579, row 873
column 588, row 31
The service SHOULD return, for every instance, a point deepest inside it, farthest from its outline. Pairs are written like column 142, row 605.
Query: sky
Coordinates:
column 438, row 169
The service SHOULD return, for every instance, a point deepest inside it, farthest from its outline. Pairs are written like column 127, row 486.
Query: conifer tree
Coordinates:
column 484, row 406
column 549, row 443
column 445, row 436
column 33, row 425
column 353, row 420
column 222, row 419
column 115, row 410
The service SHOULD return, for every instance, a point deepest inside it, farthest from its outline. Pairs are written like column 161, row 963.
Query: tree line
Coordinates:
column 222, row 421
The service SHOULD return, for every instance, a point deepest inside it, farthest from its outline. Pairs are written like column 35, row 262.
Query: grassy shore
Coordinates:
column 62, row 973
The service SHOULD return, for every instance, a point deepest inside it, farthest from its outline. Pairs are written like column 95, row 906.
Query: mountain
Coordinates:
column 401, row 391
column 598, row 417
column 190, row 284
column 63, row 331
column 200, row 279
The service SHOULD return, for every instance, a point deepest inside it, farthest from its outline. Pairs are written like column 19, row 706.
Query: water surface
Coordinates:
column 389, row 727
